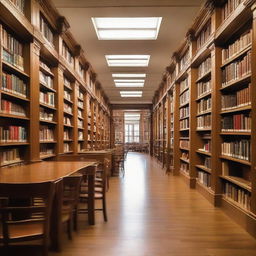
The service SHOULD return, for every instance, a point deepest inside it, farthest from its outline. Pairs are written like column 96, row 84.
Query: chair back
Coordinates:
column 24, row 204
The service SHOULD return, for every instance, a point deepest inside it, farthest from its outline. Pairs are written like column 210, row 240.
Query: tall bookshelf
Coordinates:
column 216, row 155
column 40, row 110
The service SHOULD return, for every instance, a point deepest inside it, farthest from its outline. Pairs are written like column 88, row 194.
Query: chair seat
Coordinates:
column 29, row 229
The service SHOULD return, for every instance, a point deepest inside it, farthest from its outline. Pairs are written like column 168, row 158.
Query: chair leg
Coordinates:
column 104, row 207
column 75, row 216
column 69, row 224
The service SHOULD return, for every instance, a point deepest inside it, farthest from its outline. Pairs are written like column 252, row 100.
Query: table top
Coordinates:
column 42, row 171
column 96, row 152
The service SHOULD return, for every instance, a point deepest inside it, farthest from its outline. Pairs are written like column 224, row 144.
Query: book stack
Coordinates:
column 13, row 134
column 238, row 195
column 68, row 108
column 184, row 112
column 80, row 135
column 46, row 80
column 237, row 69
column 47, row 98
column 239, row 149
column 204, row 35
column 236, row 99
column 66, row 53
column 204, row 122
column 80, row 104
column 239, row 45
column 46, row 133
column 80, row 123
column 229, row 8
column 67, row 95
column 46, row 150
column 46, row 30
column 66, row 134
column 239, row 122
column 205, row 67
column 67, row 147
column 184, row 85
column 204, row 105
column 184, row 61
column 10, row 156
column 67, row 120
column 208, row 162
column 12, row 50
column 13, row 84
column 185, row 156
column 204, row 178
column 9, row 107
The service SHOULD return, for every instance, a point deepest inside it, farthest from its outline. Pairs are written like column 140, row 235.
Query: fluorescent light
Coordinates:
column 129, row 80
column 120, row 75
column 129, row 84
column 127, row 60
column 131, row 93
column 134, row 28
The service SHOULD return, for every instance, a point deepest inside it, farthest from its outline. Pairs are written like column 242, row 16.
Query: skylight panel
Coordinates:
column 128, row 75
column 127, row 60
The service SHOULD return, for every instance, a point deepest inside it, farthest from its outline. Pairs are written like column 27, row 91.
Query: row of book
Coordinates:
column 184, row 112
column 46, row 79
column 13, row 84
column 45, row 115
column 204, row 122
column 204, row 105
column 80, row 95
column 238, row 149
column 241, row 43
column 184, row 61
column 46, row 150
column 66, row 135
column 67, row 120
column 208, row 162
column 184, row 167
column 79, row 113
column 80, row 123
column 9, row 107
column 67, row 147
column 229, row 7
column 184, row 144
column 184, row 85
column 46, row 133
column 184, row 97
column 47, row 98
column 67, row 95
column 46, row 30
column 81, row 70
column 13, row 50
column 44, row 66
column 68, row 108
column 185, row 156
column 237, row 69
column 204, row 67
column 237, row 194
column 203, row 88
column 184, row 124
column 236, row 99
column 80, row 104
column 9, row 156
column 20, row 4
column 67, row 83
column 204, row 178
column 80, row 135
column 204, row 35
column 239, row 122
column 66, row 53
column 13, row 134
column 207, row 146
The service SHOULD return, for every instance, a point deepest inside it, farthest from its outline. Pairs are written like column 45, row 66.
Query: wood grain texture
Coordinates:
column 152, row 214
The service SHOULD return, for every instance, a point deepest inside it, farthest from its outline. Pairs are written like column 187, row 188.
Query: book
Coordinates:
column 13, row 134
column 46, row 30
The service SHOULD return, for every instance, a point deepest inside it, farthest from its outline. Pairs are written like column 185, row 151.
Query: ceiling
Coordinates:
column 178, row 16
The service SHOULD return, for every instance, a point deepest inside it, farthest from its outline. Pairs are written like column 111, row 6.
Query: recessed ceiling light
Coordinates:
column 127, row 60
column 134, row 28
column 128, row 75
column 129, row 80
column 131, row 93
column 129, row 84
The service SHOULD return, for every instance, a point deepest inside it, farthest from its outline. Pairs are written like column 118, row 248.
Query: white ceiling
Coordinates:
column 178, row 16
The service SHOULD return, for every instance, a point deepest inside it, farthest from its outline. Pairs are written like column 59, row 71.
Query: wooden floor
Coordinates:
column 151, row 214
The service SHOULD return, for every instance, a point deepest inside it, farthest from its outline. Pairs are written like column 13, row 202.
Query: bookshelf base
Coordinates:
column 191, row 182
column 240, row 216
column 207, row 193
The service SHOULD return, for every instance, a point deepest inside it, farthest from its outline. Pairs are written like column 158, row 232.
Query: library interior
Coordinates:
column 128, row 127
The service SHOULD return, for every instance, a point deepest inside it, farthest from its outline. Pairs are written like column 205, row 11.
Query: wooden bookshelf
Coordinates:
column 214, row 150
column 44, row 116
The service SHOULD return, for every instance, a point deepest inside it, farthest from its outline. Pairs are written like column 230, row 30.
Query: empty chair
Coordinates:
column 28, row 221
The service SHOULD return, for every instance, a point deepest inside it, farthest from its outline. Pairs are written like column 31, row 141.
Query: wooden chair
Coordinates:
column 25, row 223
column 71, row 189
column 100, row 190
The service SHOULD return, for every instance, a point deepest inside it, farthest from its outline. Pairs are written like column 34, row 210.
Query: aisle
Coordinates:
column 151, row 214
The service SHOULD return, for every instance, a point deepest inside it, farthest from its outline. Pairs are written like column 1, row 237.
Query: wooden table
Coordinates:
column 53, row 171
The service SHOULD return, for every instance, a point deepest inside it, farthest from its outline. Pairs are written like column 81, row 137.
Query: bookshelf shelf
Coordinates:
column 47, row 156
column 7, row 66
column 203, row 152
column 204, row 96
column 244, row 162
column 47, row 106
column 202, row 167
column 236, row 109
column 13, row 116
column 239, row 182
column 237, row 133
column 204, row 76
column 44, row 86
column 3, row 144
column 237, row 82
column 13, row 95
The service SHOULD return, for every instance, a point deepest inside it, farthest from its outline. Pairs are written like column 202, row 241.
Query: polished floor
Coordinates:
column 151, row 214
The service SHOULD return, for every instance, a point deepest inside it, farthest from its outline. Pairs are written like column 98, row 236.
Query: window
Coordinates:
column 132, row 132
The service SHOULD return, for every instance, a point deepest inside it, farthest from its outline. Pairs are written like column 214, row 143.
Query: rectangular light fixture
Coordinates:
column 127, row 60
column 129, row 82
column 127, row 28
column 128, row 75
column 131, row 93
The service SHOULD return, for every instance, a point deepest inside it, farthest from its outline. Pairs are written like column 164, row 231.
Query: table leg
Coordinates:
column 91, row 201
